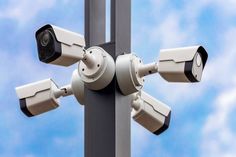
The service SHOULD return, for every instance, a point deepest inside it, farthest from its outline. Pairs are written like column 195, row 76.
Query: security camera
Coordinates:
column 62, row 47
column 40, row 97
column 182, row 64
column 175, row 65
column 150, row 113
column 59, row 46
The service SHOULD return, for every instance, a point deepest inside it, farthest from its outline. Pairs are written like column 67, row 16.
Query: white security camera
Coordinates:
column 175, row 65
column 150, row 113
column 182, row 64
column 59, row 46
column 40, row 97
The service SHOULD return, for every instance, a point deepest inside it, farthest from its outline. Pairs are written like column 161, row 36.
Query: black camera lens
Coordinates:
column 45, row 38
column 49, row 48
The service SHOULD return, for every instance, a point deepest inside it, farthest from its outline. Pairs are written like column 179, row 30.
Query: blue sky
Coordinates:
column 203, row 121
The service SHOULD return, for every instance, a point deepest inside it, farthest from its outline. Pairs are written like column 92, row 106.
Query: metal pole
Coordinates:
column 95, row 22
column 107, row 112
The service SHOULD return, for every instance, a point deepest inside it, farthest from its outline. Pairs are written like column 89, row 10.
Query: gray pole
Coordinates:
column 107, row 112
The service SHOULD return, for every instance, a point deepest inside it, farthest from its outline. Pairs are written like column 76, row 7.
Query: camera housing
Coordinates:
column 150, row 113
column 182, row 64
column 59, row 46
column 37, row 98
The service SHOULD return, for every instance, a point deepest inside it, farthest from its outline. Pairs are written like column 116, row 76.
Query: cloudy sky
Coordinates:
column 203, row 114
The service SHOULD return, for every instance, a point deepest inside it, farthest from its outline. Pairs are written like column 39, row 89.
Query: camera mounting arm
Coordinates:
column 147, row 69
column 63, row 91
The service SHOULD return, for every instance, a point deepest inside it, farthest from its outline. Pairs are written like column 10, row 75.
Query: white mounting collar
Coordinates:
column 100, row 73
column 127, row 73
column 77, row 87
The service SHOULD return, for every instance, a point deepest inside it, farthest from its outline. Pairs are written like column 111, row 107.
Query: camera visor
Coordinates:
column 49, row 49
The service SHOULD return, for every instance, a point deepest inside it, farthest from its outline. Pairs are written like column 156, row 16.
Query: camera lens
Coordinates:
column 199, row 60
column 49, row 49
column 45, row 38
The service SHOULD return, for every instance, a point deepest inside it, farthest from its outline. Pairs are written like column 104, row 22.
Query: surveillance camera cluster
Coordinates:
column 174, row 65
column 96, row 70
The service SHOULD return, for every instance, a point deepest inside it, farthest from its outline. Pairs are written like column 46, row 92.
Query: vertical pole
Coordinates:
column 95, row 22
column 121, row 36
column 121, row 25
column 107, row 112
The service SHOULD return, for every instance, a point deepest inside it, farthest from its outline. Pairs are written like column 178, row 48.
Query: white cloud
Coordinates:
column 25, row 10
column 226, row 7
column 218, row 139
column 15, row 126
column 23, row 67
column 169, row 32
column 220, row 72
